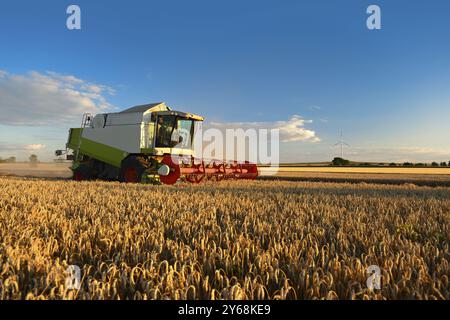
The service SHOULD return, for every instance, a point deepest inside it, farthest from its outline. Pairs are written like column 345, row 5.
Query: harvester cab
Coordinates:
column 147, row 143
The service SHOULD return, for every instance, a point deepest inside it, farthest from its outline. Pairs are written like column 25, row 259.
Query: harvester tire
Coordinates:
column 132, row 169
column 83, row 172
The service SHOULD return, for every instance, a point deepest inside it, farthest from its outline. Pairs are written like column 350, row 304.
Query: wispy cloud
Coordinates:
column 314, row 108
column 34, row 146
column 290, row 130
column 12, row 147
column 401, row 154
column 48, row 98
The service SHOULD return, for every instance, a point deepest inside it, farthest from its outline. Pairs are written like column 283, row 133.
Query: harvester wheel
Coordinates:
column 174, row 167
column 83, row 172
column 132, row 169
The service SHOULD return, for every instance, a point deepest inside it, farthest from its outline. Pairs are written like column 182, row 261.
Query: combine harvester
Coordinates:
column 148, row 143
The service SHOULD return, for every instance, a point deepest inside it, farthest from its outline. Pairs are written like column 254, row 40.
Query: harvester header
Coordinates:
column 146, row 143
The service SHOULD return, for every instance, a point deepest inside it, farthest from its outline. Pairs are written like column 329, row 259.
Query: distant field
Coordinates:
column 418, row 176
column 40, row 170
column 402, row 170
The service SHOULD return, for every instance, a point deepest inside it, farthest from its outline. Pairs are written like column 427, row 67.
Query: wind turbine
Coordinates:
column 342, row 143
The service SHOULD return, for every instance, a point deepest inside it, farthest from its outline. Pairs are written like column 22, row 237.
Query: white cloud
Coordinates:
column 34, row 146
column 290, row 130
column 48, row 98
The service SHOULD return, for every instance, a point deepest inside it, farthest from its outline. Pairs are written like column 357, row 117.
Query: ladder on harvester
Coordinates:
column 86, row 121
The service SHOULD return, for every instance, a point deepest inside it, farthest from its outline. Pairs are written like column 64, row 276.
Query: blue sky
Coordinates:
column 234, row 61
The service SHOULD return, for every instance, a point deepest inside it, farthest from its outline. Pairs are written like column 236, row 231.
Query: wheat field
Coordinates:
column 228, row 240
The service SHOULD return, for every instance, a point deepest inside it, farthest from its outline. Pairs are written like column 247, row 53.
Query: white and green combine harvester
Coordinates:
column 148, row 143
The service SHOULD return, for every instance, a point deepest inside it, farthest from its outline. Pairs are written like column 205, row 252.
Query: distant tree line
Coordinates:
column 8, row 160
column 433, row 164
column 33, row 159
column 340, row 162
column 344, row 162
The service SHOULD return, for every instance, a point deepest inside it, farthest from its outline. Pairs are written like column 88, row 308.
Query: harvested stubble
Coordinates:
column 229, row 240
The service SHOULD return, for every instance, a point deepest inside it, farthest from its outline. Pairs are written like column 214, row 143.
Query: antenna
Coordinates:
column 341, row 143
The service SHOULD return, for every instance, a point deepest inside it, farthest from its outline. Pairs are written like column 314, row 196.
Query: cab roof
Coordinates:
column 161, row 108
column 144, row 108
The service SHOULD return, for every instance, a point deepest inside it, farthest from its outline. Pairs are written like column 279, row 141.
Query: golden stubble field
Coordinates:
column 229, row 240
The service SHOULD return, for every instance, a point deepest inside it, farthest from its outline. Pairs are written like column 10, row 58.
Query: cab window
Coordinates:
column 164, row 129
